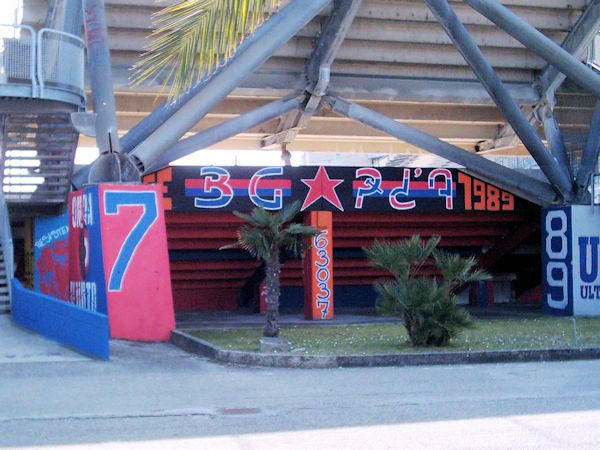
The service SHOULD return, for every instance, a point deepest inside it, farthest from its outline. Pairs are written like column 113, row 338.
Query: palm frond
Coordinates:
column 295, row 237
column 192, row 38
column 457, row 270
column 254, row 242
column 290, row 211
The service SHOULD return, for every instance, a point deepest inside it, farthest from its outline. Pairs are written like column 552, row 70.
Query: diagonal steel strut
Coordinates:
column 527, row 187
column 225, row 130
column 535, row 41
column 318, row 70
column 281, row 27
column 461, row 38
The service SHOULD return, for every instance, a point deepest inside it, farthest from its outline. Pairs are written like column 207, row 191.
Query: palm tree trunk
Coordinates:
column 273, row 271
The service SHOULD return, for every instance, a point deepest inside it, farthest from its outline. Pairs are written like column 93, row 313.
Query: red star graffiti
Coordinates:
column 322, row 186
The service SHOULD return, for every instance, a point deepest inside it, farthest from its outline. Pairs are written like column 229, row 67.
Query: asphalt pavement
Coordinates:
column 157, row 396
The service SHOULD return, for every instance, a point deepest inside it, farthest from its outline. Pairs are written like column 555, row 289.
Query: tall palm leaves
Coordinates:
column 264, row 235
column 194, row 37
column 427, row 304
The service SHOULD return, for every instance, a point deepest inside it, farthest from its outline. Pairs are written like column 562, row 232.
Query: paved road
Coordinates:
column 155, row 396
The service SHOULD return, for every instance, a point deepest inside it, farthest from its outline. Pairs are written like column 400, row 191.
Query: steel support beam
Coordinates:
column 318, row 69
column 555, row 138
column 589, row 159
column 534, row 40
column 527, row 187
column 100, row 71
column 496, row 89
column 111, row 165
column 225, row 130
column 576, row 42
column 283, row 25
column 160, row 115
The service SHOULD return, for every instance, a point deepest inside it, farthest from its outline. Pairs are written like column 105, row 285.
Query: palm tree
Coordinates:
column 427, row 304
column 192, row 38
column 264, row 235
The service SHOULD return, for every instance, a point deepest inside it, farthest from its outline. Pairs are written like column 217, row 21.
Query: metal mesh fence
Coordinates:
column 17, row 47
column 60, row 60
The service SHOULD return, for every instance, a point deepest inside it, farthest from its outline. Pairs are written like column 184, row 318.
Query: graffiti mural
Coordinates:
column 51, row 256
column 341, row 189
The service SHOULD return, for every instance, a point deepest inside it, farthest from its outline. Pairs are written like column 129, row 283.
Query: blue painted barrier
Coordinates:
column 86, row 331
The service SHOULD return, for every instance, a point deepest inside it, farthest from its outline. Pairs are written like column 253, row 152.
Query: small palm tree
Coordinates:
column 192, row 38
column 427, row 303
column 265, row 235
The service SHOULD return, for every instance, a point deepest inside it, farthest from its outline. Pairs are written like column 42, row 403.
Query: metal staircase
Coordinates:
column 4, row 294
column 42, row 83
column 6, row 257
column 37, row 160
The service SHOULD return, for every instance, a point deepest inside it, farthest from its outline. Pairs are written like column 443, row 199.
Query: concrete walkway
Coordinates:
column 19, row 345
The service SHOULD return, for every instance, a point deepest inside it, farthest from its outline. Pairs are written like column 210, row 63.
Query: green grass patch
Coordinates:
column 497, row 334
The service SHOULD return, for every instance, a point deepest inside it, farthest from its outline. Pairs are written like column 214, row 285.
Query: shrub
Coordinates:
column 426, row 302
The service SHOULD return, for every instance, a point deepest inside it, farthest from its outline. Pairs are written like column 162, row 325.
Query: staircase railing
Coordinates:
column 18, row 57
column 46, row 64
column 6, row 241
column 60, row 59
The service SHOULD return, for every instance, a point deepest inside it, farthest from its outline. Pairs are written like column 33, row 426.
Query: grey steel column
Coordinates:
column 534, row 190
column 538, row 43
column 318, row 70
column 285, row 24
column 100, row 70
column 225, row 130
column 65, row 15
column 110, row 166
column 555, row 138
column 498, row 92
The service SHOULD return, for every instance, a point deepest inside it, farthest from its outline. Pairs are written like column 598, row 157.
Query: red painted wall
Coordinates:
column 209, row 285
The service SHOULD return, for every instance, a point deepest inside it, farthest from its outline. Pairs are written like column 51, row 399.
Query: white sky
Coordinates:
column 11, row 11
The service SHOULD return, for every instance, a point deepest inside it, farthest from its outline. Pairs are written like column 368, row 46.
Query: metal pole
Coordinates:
column 589, row 158
column 65, row 15
column 111, row 165
column 498, row 92
column 334, row 32
column 555, row 138
column 578, row 39
column 285, row 24
column 534, row 190
column 100, row 70
column 225, row 130
column 538, row 43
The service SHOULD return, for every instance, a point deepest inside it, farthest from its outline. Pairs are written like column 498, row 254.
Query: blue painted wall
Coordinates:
column 85, row 331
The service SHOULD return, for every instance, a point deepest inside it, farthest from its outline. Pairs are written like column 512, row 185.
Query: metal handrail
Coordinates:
column 33, row 51
column 40, row 56
column 38, row 67
column 6, row 241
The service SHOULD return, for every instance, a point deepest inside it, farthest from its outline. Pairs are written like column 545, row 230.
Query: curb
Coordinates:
column 195, row 345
